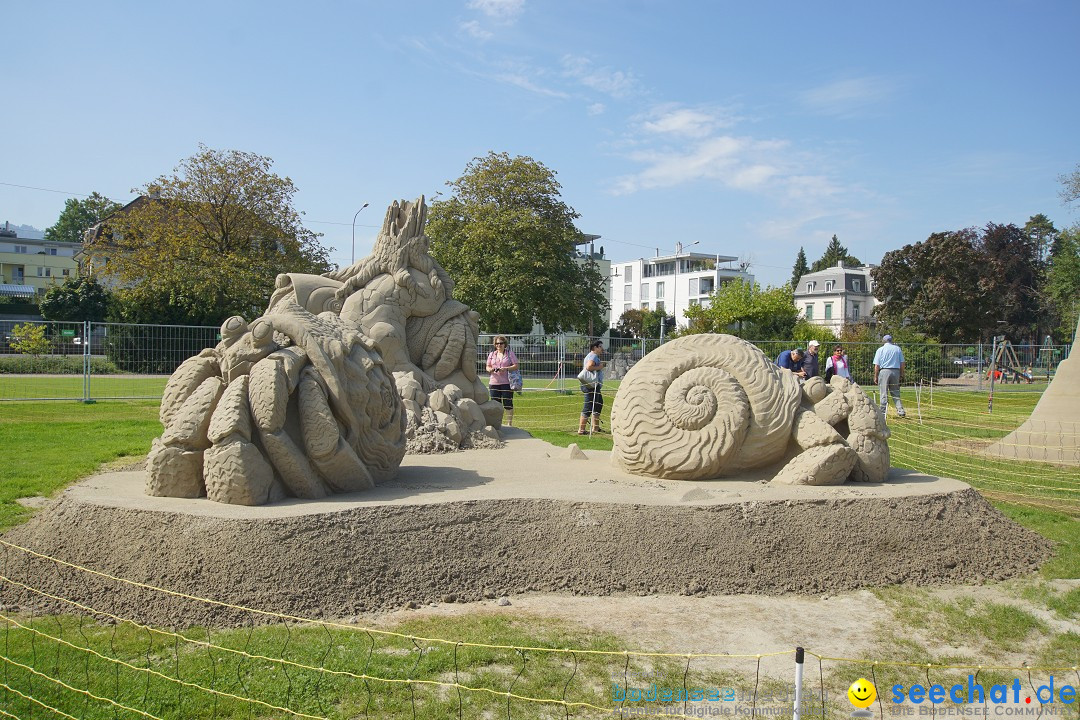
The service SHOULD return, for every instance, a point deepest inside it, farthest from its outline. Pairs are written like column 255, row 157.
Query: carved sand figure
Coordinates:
column 706, row 406
column 403, row 300
column 292, row 404
column 324, row 391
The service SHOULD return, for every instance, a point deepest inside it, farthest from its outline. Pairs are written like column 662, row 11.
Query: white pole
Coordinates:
column 798, row 682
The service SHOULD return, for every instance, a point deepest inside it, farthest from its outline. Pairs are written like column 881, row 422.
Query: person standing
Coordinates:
column 837, row 364
column 500, row 362
column 888, row 374
column 792, row 360
column 594, row 398
column 810, row 362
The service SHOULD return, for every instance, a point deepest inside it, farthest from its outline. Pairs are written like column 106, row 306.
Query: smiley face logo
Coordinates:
column 862, row 693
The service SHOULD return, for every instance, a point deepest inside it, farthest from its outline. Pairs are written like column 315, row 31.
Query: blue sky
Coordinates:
column 754, row 128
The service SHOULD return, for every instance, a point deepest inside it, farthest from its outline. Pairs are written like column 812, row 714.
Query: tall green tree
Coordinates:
column 80, row 298
column 509, row 242
column 207, row 241
column 1041, row 229
column 78, row 216
column 834, row 253
column 800, row 269
column 1063, row 284
column 744, row 309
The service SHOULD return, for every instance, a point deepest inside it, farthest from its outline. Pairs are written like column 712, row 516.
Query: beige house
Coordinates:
column 836, row 296
column 29, row 267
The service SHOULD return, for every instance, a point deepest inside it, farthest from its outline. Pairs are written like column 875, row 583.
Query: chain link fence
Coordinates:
column 97, row 361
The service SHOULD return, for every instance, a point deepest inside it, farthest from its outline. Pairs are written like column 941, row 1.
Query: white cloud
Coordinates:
column 502, row 10
column 687, row 122
column 847, row 98
column 518, row 80
column 473, row 29
column 616, row 83
column 737, row 162
column 596, row 109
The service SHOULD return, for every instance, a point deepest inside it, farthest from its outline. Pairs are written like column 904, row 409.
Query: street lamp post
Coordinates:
column 352, row 257
column 679, row 247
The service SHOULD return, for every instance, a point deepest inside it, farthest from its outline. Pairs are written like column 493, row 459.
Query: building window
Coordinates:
column 52, row 251
column 829, row 285
column 706, row 286
column 694, row 302
column 856, row 285
column 66, row 272
column 855, row 311
column 628, row 292
column 644, row 291
column 44, row 272
column 21, row 249
column 629, row 272
column 810, row 286
column 809, row 311
column 828, row 311
column 693, row 286
column 659, row 293
column 626, row 307
column 645, row 306
column 659, row 307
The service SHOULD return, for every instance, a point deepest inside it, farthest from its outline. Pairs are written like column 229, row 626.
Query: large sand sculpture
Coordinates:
column 706, row 406
column 321, row 394
column 1052, row 433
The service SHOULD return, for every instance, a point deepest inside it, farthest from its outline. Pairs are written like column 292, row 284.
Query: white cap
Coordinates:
column 812, row 343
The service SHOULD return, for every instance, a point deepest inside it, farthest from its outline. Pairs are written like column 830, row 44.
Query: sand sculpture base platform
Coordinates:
column 523, row 518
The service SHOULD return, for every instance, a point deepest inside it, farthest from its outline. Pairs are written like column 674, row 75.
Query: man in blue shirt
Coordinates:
column 792, row 360
column 888, row 372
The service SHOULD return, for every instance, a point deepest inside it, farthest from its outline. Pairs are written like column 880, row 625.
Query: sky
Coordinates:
column 752, row 128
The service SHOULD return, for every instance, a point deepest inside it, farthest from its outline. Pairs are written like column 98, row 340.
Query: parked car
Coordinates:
column 966, row 360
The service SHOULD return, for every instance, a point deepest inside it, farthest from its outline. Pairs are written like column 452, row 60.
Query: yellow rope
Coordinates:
column 353, row 628
column 35, row 701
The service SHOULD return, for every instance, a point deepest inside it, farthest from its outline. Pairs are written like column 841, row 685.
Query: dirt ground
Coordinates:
column 526, row 522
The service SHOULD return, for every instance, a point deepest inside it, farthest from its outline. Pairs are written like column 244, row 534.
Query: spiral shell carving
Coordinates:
column 703, row 406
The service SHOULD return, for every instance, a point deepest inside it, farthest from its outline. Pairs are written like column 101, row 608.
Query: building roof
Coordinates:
column 26, row 291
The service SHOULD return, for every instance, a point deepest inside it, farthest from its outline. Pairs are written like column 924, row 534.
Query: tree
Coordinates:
column 800, row 269
column 29, row 339
column 963, row 286
column 78, row 216
column 1063, row 284
column 934, row 286
column 1011, row 278
column 1070, row 186
column 742, row 308
column 834, row 253
column 1040, row 229
column 77, row 299
column 508, row 240
column 206, row 242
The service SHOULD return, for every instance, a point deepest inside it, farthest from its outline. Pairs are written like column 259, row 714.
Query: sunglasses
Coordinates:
column 500, row 343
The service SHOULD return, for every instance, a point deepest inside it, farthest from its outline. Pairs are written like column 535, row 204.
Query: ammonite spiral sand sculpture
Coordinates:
column 706, row 406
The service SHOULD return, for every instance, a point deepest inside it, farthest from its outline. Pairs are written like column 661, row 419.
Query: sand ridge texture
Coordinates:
column 468, row 537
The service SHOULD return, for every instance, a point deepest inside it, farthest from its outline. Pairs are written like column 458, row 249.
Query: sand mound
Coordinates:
column 524, row 519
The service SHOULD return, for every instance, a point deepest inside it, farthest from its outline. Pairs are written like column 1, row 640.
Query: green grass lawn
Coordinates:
column 52, row 387
column 48, row 445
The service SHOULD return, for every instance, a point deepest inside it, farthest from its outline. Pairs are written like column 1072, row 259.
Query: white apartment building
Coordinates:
column 671, row 283
column 836, row 296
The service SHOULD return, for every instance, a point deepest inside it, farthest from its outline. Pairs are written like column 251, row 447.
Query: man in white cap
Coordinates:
column 810, row 362
column 888, row 373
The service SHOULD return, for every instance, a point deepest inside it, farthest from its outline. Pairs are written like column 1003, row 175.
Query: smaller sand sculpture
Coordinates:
column 707, row 406
column 291, row 404
column 1052, row 433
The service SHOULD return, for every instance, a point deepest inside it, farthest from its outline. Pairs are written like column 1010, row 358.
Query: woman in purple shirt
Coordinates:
column 500, row 362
